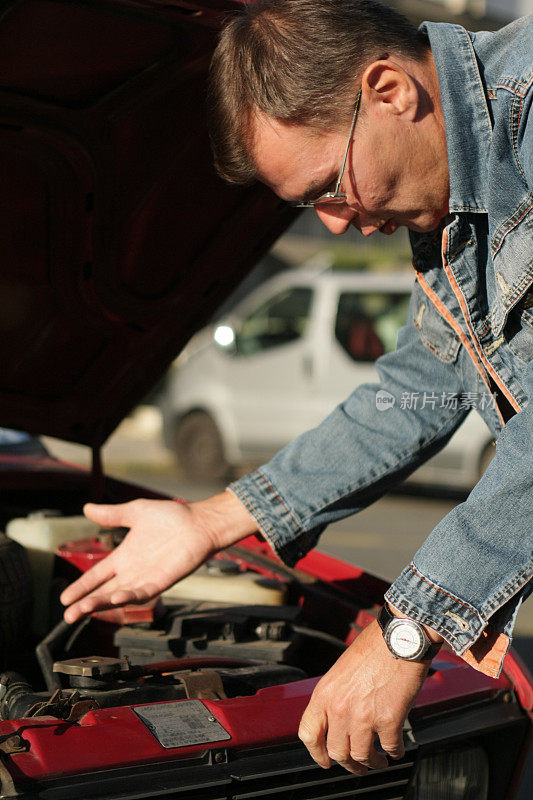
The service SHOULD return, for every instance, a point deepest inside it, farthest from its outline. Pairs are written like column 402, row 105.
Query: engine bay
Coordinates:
column 204, row 686
column 242, row 622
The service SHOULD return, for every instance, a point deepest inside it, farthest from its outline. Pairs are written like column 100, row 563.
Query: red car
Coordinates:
column 118, row 244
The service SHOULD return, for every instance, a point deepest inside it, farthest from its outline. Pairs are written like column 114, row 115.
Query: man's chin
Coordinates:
column 425, row 226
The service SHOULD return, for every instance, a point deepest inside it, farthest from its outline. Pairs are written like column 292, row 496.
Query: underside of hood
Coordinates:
column 118, row 239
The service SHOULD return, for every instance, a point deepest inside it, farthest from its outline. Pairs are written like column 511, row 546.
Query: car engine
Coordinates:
column 235, row 626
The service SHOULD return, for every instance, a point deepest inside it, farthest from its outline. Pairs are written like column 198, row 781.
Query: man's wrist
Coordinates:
column 432, row 635
column 224, row 519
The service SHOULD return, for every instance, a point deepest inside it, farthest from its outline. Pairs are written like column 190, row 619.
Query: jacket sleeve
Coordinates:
column 524, row 138
column 367, row 445
column 470, row 576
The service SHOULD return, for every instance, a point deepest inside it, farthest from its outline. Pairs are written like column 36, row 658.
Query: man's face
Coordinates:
column 393, row 176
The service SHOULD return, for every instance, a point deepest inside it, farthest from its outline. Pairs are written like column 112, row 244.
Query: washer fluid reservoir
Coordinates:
column 221, row 581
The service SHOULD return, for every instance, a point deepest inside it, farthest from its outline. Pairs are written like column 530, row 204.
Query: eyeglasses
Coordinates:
column 337, row 196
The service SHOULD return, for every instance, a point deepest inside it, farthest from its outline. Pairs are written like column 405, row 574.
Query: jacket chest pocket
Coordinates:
column 434, row 331
column 518, row 329
column 512, row 308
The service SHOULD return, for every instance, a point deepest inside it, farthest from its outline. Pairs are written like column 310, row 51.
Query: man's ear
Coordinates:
column 389, row 89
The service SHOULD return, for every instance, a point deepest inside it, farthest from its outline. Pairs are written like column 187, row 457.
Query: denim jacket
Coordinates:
column 470, row 331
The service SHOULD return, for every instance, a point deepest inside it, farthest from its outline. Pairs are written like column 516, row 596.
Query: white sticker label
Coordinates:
column 180, row 724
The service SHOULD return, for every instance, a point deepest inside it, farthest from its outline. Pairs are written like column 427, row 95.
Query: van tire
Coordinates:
column 199, row 448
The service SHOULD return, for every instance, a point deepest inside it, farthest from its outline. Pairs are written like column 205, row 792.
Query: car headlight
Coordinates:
column 452, row 775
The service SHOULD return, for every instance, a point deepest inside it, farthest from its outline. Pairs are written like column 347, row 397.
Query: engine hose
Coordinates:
column 76, row 632
column 322, row 635
column 17, row 696
column 46, row 650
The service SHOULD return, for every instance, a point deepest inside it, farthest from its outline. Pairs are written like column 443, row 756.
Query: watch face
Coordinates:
column 405, row 639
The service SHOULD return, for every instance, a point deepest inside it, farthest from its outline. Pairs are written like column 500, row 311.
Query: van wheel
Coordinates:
column 486, row 457
column 199, row 448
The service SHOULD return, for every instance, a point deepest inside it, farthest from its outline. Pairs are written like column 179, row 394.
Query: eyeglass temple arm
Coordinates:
column 341, row 173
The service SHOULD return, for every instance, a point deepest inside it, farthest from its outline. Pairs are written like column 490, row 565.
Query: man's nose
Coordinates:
column 336, row 217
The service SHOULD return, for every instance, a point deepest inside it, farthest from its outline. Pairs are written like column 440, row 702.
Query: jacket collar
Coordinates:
column 466, row 115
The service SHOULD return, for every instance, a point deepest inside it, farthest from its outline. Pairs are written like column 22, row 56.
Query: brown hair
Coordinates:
column 297, row 61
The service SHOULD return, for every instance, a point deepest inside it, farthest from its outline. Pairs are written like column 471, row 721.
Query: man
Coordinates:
column 342, row 105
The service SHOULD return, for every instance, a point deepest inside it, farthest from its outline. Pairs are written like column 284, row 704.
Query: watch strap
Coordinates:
column 384, row 617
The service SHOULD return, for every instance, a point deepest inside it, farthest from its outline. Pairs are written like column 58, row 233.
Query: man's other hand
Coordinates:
column 366, row 692
column 166, row 541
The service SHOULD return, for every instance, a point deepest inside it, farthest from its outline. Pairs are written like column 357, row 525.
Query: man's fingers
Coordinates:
column 312, row 733
column 371, row 759
column 120, row 597
column 338, row 744
column 94, row 602
column 362, row 750
column 78, row 610
column 91, row 580
column 108, row 516
column 101, row 572
column 108, row 595
column 140, row 594
column 391, row 740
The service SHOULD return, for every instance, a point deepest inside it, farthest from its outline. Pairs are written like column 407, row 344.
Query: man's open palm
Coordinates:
column 166, row 541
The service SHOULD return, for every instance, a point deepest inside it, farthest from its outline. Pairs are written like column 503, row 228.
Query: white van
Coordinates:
column 288, row 354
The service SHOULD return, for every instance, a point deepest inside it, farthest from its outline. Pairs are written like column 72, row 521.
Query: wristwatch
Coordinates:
column 405, row 638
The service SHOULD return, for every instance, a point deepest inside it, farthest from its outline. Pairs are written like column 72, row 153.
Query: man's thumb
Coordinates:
column 107, row 516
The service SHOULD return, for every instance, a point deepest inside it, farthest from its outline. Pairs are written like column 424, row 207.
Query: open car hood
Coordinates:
column 118, row 239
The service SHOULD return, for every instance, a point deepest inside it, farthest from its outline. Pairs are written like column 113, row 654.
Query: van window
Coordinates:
column 280, row 320
column 367, row 324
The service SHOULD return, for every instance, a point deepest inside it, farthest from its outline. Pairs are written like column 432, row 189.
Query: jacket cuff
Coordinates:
column 275, row 519
column 456, row 620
